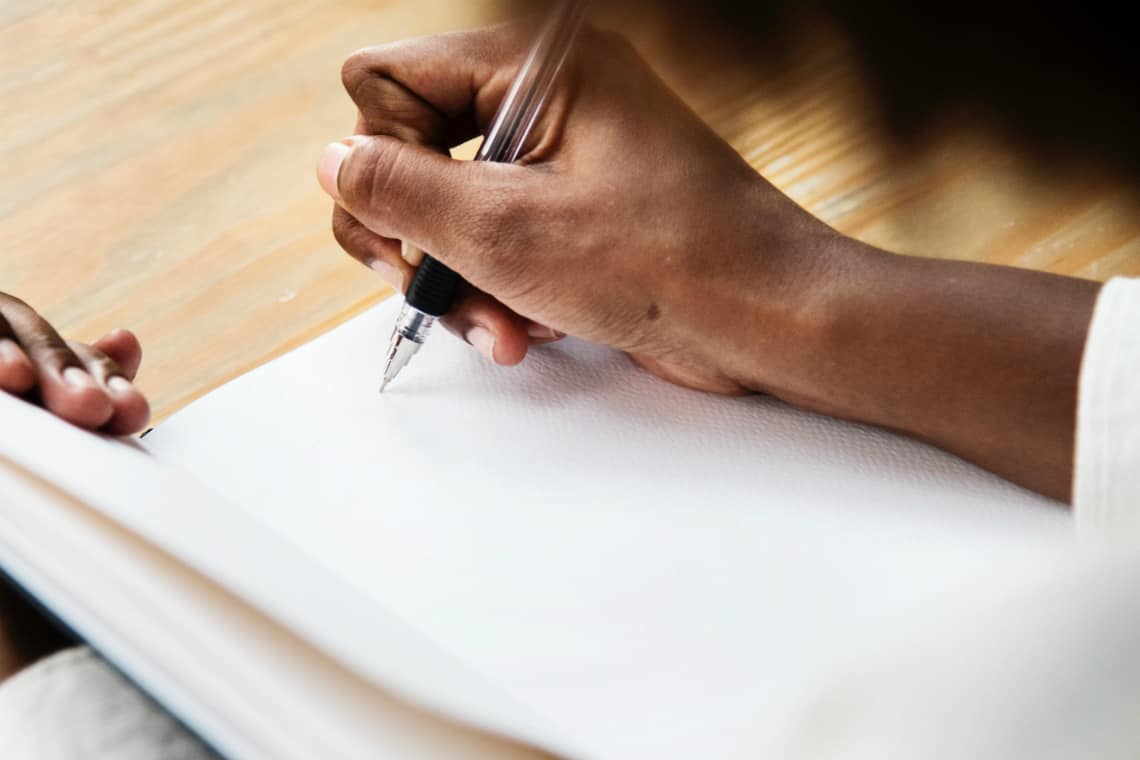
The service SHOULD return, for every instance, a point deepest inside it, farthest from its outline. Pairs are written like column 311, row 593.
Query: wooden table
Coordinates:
column 157, row 171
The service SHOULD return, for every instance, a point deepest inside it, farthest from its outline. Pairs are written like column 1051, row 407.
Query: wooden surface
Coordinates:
column 158, row 161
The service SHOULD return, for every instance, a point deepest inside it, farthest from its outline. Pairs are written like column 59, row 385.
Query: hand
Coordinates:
column 87, row 385
column 629, row 222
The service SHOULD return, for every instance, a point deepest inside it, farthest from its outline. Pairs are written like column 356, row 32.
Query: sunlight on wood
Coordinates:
column 159, row 157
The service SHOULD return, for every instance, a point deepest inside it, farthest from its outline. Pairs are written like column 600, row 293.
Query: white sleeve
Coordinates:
column 1106, row 486
column 1051, row 674
column 73, row 705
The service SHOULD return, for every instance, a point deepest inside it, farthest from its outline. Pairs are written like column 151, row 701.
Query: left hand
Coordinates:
column 89, row 385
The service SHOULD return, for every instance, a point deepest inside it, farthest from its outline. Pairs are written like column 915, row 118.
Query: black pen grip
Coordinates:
column 433, row 288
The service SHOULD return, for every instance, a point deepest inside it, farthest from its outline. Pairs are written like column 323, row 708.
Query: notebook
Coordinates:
column 568, row 557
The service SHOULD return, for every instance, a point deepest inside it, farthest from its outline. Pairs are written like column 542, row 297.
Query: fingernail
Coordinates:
column 388, row 274
column 328, row 168
column 542, row 332
column 9, row 351
column 483, row 339
column 77, row 378
column 120, row 385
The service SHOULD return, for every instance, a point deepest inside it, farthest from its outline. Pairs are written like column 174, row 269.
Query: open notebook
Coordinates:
column 570, row 555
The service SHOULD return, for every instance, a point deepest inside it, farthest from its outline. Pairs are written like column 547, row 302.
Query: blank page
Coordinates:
column 126, row 523
column 251, row 687
column 658, row 572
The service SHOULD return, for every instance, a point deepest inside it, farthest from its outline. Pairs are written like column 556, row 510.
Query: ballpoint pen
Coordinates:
column 431, row 291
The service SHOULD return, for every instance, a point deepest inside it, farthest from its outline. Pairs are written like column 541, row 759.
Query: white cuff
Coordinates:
column 1106, row 485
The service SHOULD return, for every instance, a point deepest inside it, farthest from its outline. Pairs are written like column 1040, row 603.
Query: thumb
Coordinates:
column 455, row 210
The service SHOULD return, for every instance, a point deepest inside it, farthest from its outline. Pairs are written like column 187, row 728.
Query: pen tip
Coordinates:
column 399, row 354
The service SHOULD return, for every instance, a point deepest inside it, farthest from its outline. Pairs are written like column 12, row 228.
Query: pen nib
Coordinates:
column 400, row 353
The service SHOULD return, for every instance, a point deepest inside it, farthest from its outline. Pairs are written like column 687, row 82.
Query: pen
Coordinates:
column 431, row 291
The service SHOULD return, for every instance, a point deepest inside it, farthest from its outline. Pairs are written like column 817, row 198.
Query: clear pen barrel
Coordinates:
column 413, row 324
column 531, row 87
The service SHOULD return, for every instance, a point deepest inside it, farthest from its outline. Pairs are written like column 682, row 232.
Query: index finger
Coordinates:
column 440, row 90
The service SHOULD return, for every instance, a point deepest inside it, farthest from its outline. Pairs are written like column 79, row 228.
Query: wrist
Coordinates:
column 806, row 320
column 838, row 329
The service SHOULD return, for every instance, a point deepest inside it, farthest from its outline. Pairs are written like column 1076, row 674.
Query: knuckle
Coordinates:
column 357, row 69
column 95, row 360
column 376, row 180
column 615, row 39
column 612, row 42
column 375, row 184
column 35, row 334
column 104, row 365
column 365, row 66
column 342, row 229
column 49, row 351
column 11, row 302
column 352, row 237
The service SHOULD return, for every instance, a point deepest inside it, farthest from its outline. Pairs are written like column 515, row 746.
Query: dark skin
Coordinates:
column 632, row 224
column 90, row 386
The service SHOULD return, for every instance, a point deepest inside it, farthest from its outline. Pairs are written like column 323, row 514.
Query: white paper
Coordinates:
column 188, row 521
column 660, row 572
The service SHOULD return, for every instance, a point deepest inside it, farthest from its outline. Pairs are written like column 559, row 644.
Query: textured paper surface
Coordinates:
column 194, row 525
column 661, row 573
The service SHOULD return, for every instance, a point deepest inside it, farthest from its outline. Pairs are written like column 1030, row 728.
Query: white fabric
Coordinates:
column 1106, row 490
column 1053, row 674
column 72, row 705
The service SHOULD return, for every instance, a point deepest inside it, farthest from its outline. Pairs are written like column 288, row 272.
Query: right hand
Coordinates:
column 627, row 221
column 630, row 223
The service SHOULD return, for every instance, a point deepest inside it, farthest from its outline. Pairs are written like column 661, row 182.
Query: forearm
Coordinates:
column 636, row 226
column 980, row 360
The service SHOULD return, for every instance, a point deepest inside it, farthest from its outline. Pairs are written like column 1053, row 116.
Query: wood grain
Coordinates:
column 158, row 171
